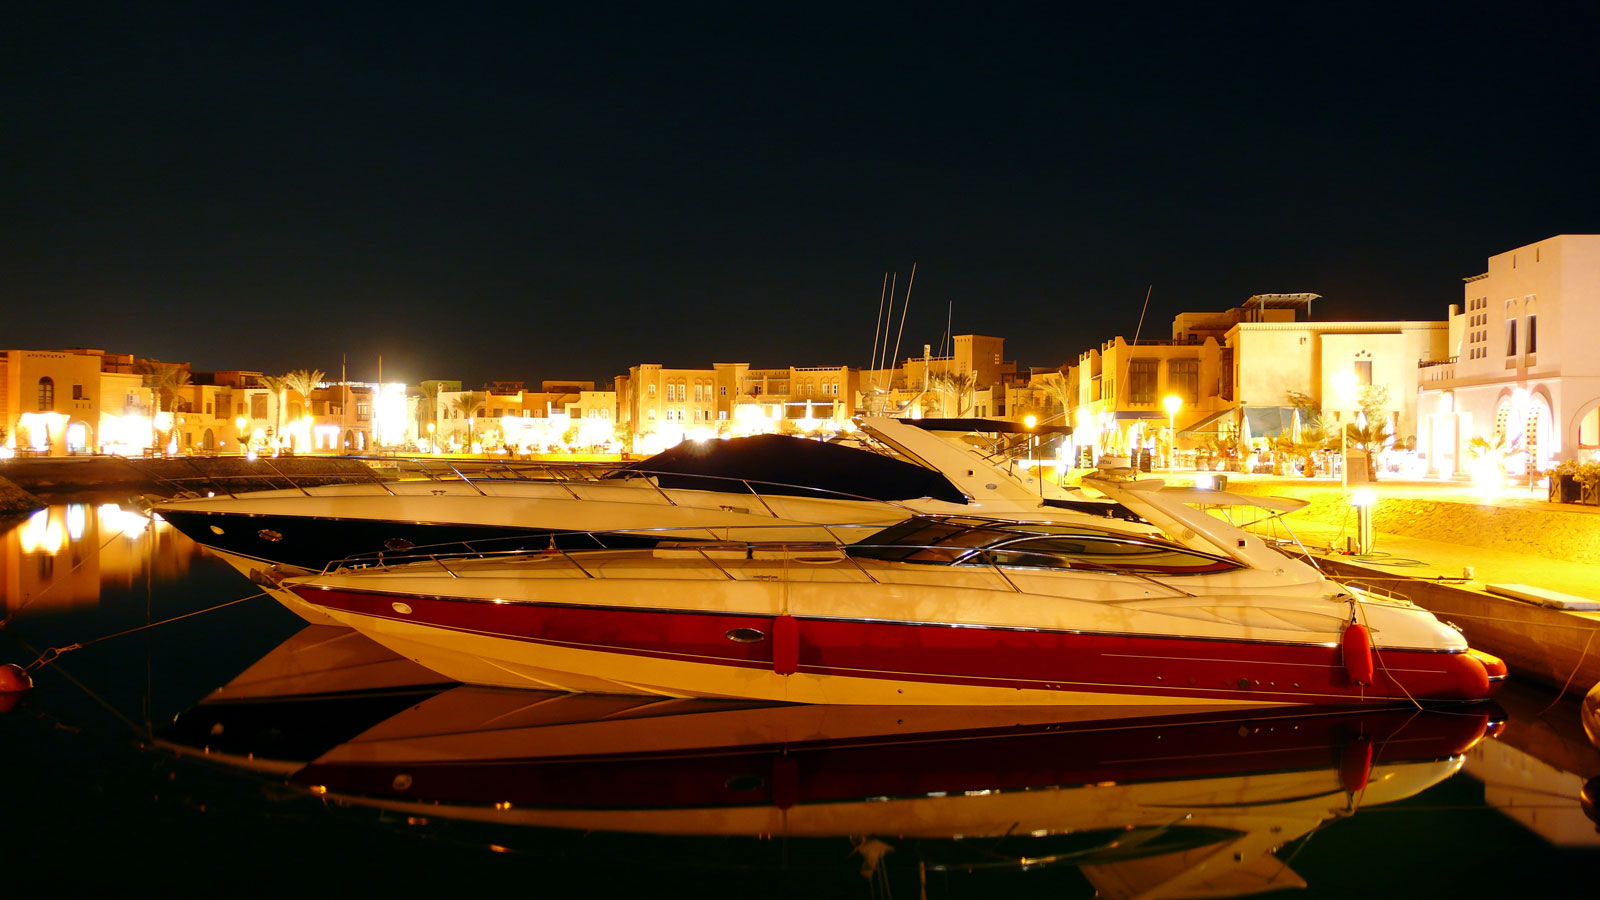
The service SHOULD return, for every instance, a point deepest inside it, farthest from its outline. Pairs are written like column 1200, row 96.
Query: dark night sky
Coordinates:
column 541, row 192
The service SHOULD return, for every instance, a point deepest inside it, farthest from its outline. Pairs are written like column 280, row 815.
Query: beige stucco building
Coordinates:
column 1523, row 371
column 658, row 406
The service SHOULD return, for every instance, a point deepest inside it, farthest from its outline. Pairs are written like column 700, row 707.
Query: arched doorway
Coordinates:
column 80, row 437
column 1538, row 438
column 208, row 440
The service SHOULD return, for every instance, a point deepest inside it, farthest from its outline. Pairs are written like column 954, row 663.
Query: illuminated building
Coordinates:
column 1243, row 363
column 659, row 407
column 1522, row 374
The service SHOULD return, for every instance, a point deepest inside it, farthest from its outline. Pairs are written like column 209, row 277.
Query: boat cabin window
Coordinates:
column 979, row 542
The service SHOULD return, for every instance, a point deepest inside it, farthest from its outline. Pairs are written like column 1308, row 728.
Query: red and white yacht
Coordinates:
column 935, row 610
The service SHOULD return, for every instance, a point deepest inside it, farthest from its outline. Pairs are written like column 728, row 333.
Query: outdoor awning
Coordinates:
column 1269, row 421
column 1208, row 422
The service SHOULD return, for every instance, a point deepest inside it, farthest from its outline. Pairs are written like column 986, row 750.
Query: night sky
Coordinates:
column 563, row 190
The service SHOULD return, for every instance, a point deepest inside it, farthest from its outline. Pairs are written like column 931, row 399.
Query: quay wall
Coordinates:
column 1551, row 646
column 1545, row 530
column 14, row 501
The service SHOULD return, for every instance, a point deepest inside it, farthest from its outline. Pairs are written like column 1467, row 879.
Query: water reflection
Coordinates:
column 61, row 557
column 331, row 750
column 1141, row 806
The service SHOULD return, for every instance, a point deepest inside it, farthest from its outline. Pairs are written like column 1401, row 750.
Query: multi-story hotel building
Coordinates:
column 1524, row 371
column 1234, row 371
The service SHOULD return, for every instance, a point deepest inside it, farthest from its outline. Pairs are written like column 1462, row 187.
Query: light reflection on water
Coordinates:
column 187, row 756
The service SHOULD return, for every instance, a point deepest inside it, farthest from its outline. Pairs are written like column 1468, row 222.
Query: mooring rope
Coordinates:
column 54, row 653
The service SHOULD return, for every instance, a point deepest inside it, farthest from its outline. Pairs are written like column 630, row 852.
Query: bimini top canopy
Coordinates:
column 986, row 426
column 774, row 464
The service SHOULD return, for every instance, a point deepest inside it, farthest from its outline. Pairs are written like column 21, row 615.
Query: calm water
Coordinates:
column 119, row 778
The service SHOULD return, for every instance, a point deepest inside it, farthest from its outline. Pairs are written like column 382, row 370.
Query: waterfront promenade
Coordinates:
column 1448, row 546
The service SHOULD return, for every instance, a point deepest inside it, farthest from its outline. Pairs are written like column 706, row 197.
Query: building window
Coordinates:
column 1142, row 382
column 1363, row 371
column 1183, row 379
column 1511, row 337
column 651, row 391
column 724, row 390
column 363, row 410
column 47, row 394
column 77, row 393
column 1533, row 333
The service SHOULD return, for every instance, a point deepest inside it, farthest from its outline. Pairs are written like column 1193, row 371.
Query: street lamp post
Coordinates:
column 1173, row 403
column 1344, row 383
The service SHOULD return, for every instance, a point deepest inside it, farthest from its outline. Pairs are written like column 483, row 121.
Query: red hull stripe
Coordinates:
column 976, row 656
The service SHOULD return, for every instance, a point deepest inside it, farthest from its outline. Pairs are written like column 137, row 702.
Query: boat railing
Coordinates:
column 576, row 547
column 567, row 477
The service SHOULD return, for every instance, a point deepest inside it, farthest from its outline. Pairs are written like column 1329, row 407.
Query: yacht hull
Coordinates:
column 832, row 660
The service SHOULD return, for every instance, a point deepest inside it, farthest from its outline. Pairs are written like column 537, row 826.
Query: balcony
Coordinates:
column 1436, row 369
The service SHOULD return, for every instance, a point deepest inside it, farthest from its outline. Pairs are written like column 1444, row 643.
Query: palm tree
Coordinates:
column 1057, row 390
column 277, row 385
column 303, row 382
column 468, row 405
column 165, row 381
column 961, row 385
column 428, row 410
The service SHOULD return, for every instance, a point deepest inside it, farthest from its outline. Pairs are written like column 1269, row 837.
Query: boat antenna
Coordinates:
column 882, row 292
column 888, row 322
column 949, row 333
column 1128, row 362
column 904, row 306
column 1140, row 327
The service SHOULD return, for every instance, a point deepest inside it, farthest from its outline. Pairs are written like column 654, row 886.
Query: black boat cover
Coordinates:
column 986, row 426
column 775, row 464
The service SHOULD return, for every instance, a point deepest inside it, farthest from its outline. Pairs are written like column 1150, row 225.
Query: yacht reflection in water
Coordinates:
column 1170, row 806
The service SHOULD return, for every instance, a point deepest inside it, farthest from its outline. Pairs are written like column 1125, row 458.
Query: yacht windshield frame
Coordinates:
column 970, row 540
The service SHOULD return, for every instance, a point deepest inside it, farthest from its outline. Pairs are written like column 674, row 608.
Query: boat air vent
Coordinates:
column 397, row 544
column 746, row 636
column 401, row 608
column 267, row 534
column 216, row 529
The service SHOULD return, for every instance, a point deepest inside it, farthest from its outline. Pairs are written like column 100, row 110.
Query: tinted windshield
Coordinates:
column 966, row 541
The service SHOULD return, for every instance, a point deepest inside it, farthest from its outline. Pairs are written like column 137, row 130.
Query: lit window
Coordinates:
column 1363, row 371
column 47, row 394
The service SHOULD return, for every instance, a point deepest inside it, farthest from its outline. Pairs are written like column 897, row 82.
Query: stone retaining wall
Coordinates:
column 15, row 501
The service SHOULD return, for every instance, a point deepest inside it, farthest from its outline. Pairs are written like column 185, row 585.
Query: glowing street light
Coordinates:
column 1173, row 403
